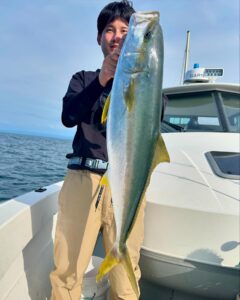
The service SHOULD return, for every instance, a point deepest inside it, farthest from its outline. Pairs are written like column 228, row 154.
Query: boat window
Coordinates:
column 193, row 112
column 225, row 164
column 170, row 127
column 231, row 104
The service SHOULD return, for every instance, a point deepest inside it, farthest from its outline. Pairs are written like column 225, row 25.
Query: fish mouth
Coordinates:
column 148, row 16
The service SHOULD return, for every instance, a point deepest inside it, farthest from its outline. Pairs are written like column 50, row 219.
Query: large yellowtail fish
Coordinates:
column 134, row 142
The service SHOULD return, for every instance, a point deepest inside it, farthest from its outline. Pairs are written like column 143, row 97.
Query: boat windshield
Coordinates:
column 231, row 106
column 204, row 111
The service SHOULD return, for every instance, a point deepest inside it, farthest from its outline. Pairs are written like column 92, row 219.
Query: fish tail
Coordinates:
column 111, row 260
column 127, row 264
column 114, row 258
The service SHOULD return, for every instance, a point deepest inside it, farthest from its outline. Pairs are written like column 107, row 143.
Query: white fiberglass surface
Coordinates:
column 188, row 180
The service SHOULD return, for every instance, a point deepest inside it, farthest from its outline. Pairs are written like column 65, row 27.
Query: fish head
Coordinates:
column 143, row 43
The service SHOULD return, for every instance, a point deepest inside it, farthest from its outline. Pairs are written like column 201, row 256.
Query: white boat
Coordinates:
column 192, row 216
column 192, row 233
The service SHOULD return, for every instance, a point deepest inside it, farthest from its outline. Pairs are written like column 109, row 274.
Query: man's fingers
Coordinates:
column 109, row 66
column 115, row 54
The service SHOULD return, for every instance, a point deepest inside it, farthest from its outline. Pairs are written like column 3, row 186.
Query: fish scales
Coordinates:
column 129, row 139
column 134, row 142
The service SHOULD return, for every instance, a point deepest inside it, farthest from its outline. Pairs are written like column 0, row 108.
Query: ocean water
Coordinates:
column 30, row 162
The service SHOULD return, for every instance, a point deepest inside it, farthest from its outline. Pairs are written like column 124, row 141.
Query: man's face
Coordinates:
column 112, row 35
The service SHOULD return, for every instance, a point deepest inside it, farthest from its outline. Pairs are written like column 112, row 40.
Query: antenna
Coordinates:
column 186, row 54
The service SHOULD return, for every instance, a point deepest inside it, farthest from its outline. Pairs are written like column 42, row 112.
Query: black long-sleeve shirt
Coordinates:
column 82, row 107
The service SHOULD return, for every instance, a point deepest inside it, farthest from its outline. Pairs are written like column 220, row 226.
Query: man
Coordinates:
column 84, row 207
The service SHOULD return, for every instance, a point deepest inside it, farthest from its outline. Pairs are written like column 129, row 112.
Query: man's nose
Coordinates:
column 118, row 36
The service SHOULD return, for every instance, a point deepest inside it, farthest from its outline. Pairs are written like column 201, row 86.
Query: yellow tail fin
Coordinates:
column 111, row 260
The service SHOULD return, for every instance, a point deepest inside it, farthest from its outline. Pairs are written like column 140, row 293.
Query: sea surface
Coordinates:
column 30, row 162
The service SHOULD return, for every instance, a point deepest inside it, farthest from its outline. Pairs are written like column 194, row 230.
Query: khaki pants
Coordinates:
column 78, row 225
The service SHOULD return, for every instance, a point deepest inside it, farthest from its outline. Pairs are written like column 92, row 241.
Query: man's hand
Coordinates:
column 109, row 66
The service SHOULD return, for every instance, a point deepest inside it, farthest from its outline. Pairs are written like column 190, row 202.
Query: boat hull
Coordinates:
column 191, row 277
column 27, row 225
column 192, row 221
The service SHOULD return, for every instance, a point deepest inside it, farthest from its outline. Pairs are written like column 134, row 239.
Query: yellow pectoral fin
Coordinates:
column 105, row 110
column 161, row 153
column 129, row 95
column 109, row 262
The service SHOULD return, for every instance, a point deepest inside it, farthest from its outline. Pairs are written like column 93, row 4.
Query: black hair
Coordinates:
column 112, row 11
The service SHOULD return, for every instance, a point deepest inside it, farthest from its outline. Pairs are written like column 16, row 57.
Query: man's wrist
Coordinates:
column 102, row 82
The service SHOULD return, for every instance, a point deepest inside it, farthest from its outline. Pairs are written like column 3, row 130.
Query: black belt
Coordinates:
column 94, row 164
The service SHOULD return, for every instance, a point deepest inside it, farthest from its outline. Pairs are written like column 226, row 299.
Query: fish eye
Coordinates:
column 147, row 35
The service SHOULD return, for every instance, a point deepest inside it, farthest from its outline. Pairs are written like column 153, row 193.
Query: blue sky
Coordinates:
column 42, row 43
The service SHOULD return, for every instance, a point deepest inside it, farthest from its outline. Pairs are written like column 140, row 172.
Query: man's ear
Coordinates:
column 99, row 39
